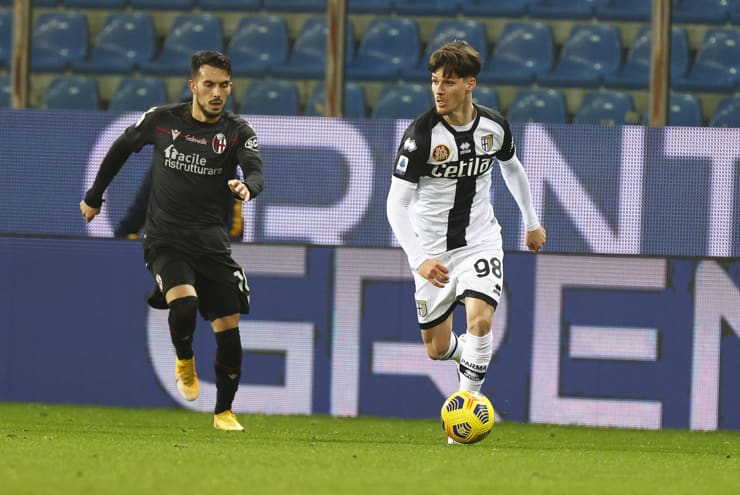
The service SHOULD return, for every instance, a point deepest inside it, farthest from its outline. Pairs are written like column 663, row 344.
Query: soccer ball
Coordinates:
column 467, row 417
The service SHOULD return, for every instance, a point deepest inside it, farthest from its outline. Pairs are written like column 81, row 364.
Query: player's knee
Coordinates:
column 479, row 325
column 183, row 312
column 436, row 350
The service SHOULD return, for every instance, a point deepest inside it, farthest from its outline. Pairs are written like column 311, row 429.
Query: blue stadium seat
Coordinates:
column 186, row 94
column 95, row 4
column 307, row 60
column 242, row 6
column 523, row 51
column 355, row 103
column 387, row 46
column 472, row 31
column 564, row 9
column 700, row 11
column 6, row 37
column 588, row 54
column 138, row 94
column 402, row 101
column 683, row 110
column 295, row 5
column 488, row 97
column 635, row 72
column 382, row 7
column 547, row 106
column 188, row 33
column 258, row 43
column 5, row 91
column 271, row 97
column 606, row 108
column 625, row 10
column 162, row 4
column 499, row 8
column 716, row 65
column 125, row 41
column 427, row 7
column 727, row 113
column 58, row 39
column 733, row 9
column 72, row 93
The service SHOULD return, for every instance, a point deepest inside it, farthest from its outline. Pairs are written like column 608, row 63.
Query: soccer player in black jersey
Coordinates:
column 197, row 147
column 439, row 207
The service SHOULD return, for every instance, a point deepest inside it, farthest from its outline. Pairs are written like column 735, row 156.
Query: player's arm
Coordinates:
column 250, row 162
column 114, row 159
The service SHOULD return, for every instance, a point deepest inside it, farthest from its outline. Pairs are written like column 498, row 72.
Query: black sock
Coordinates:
column 228, row 368
column 182, row 320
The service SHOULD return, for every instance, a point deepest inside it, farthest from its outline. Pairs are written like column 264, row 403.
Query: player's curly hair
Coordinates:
column 209, row 57
column 456, row 58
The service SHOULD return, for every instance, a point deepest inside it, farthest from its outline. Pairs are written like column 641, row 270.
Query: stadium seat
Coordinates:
column 683, row 110
column 488, row 97
column 564, row 9
column 472, row 31
column 588, row 54
column 271, row 97
column 547, row 106
column 382, row 7
column 72, row 93
column 295, row 5
column 138, row 94
column 716, row 65
column 6, row 37
column 188, row 33
column 402, row 101
column 355, row 104
column 499, row 8
column 58, row 39
column 162, row 4
column 427, row 7
column 727, row 113
column 258, row 43
column 307, row 60
column 624, row 10
column 125, row 41
column 635, row 72
column 242, row 6
column 700, row 11
column 523, row 51
column 387, row 46
column 5, row 91
column 606, row 108
column 96, row 4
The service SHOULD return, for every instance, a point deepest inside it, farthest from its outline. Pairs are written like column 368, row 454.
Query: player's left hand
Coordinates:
column 241, row 190
column 535, row 239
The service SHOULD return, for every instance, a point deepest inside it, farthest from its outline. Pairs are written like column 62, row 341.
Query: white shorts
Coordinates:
column 476, row 271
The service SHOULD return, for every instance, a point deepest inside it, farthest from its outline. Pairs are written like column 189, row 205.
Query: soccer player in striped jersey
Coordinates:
column 439, row 207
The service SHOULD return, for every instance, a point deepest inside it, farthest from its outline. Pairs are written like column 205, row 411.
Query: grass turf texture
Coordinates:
column 79, row 449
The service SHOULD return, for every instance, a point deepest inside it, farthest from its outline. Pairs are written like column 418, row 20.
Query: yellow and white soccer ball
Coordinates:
column 467, row 417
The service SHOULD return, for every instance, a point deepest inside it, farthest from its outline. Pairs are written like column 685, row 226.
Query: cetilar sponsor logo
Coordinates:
column 464, row 168
column 193, row 162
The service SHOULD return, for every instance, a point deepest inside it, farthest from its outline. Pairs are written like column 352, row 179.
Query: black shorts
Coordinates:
column 219, row 281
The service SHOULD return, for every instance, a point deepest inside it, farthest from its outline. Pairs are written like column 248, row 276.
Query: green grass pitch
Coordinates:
column 60, row 449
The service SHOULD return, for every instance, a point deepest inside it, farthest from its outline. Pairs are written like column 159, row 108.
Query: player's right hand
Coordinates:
column 433, row 270
column 88, row 211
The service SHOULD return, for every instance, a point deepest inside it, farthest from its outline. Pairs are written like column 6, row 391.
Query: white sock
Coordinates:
column 455, row 350
column 476, row 355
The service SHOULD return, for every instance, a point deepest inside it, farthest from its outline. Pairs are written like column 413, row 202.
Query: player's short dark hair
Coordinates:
column 209, row 57
column 456, row 57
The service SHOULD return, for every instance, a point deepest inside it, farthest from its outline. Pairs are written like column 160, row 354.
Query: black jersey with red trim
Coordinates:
column 189, row 198
column 450, row 168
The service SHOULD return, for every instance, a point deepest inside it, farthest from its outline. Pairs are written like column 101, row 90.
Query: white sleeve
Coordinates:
column 516, row 181
column 397, row 211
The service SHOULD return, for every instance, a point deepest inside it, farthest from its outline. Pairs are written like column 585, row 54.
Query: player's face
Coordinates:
column 211, row 88
column 450, row 92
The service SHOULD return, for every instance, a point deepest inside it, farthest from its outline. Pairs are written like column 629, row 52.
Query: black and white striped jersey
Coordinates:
column 450, row 169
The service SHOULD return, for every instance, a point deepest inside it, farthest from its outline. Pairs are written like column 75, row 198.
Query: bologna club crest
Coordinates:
column 219, row 143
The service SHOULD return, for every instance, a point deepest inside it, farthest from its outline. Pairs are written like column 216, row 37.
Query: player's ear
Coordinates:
column 471, row 84
column 191, row 85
